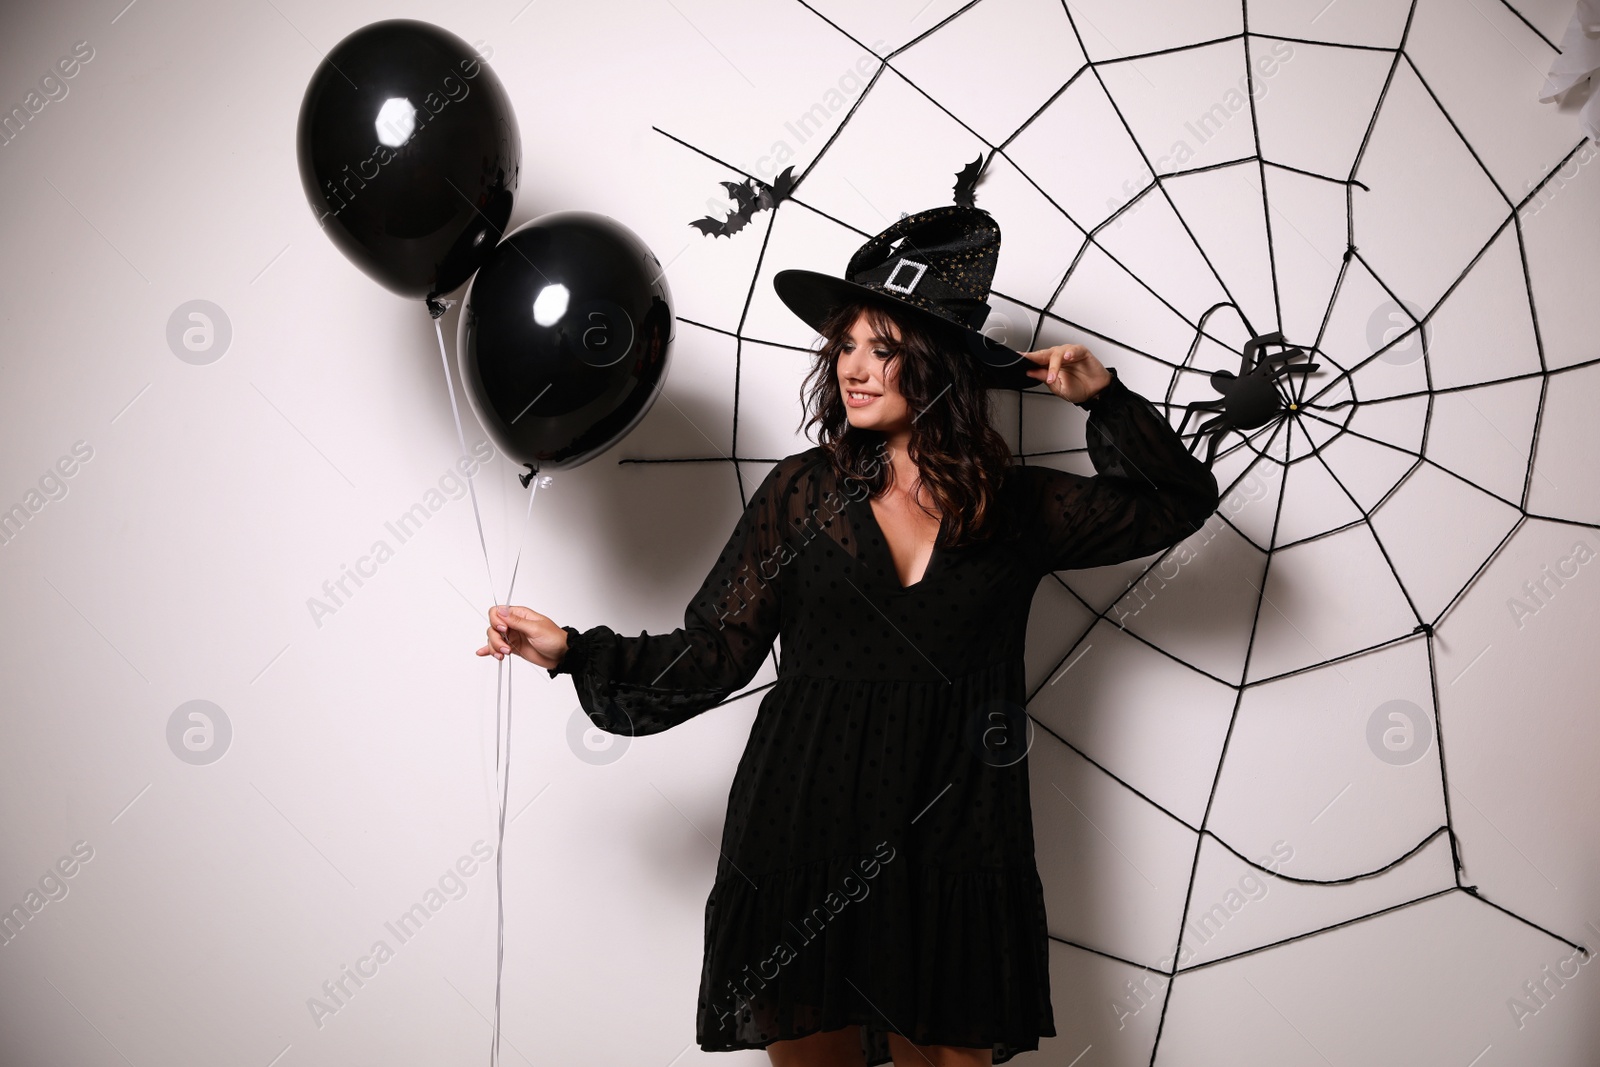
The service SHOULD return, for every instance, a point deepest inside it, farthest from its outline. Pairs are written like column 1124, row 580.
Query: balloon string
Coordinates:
column 504, row 781
column 502, row 755
column 455, row 410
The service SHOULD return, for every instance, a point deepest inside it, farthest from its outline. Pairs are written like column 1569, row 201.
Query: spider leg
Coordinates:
column 1279, row 367
column 1197, row 406
column 1217, row 428
column 1254, row 345
column 1216, row 439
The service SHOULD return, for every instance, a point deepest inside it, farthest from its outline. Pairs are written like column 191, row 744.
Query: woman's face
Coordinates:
column 867, row 381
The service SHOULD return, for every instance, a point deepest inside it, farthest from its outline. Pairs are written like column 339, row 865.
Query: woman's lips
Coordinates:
column 857, row 402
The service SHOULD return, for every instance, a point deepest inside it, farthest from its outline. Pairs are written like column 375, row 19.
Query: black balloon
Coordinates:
column 564, row 338
column 409, row 155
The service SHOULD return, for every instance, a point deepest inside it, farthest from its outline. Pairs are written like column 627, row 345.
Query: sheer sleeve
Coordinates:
column 1148, row 494
column 652, row 682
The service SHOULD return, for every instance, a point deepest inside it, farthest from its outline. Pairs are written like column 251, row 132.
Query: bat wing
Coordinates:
column 710, row 227
column 967, row 180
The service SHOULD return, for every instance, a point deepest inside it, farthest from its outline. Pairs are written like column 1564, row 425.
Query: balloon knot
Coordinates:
column 437, row 307
column 526, row 478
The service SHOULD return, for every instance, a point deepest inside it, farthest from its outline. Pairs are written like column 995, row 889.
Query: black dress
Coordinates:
column 877, row 860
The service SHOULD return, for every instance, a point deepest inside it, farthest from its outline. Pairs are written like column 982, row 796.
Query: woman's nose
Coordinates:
column 851, row 368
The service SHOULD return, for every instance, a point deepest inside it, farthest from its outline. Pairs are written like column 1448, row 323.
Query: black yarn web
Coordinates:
column 1294, row 390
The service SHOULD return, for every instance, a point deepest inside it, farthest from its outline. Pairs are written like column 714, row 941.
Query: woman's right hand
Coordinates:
column 525, row 632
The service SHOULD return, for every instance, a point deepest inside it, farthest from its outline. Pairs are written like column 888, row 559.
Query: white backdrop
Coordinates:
column 178, row 517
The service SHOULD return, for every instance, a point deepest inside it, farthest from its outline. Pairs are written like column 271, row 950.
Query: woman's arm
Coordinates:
column 652, row 682
column 1148, row 494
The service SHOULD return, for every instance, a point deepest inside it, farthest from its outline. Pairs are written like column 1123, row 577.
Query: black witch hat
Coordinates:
column 937, row 265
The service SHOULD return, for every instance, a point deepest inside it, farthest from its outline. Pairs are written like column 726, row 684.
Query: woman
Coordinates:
column 877, row 894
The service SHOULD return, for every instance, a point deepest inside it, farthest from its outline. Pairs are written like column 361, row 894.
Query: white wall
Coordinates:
column 218, row 498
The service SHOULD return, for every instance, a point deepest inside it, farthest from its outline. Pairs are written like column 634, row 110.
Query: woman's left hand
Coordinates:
column 1071, row 371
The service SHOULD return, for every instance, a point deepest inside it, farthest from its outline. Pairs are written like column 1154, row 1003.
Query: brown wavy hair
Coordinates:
column 962, row 459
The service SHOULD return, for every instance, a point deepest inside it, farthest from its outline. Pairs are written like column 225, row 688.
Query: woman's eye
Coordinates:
column 881, row 353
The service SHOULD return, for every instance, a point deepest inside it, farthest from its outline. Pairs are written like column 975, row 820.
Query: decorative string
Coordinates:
column 455, row 411
column 502, row 723
column 1424, row 628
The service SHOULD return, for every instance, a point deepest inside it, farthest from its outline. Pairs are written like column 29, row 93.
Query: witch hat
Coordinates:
column 937, row 265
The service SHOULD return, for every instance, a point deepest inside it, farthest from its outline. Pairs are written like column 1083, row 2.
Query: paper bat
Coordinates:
column 749, row 197
column 966, row 180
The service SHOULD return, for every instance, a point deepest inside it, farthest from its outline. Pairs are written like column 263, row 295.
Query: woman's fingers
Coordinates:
column 500, row 639
column 502, row 635
column 514, row 629
column 524, row 620
column 1051, row 359
column 1042, row 358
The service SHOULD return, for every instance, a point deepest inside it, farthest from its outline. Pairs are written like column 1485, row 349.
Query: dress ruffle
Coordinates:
column 875, row 941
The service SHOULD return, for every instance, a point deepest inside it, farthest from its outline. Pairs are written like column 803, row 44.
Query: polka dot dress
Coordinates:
column 877, row 860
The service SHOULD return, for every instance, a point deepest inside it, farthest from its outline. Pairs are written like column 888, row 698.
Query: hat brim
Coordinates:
column 813, row 297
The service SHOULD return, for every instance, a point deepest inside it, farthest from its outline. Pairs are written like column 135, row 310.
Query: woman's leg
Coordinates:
column 830, row 1048
column 908, row 1054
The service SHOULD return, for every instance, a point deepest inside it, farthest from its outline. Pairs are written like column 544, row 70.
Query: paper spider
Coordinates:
column 1250, row 398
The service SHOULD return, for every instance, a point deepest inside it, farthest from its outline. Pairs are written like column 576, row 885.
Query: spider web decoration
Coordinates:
column 1177, row 249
